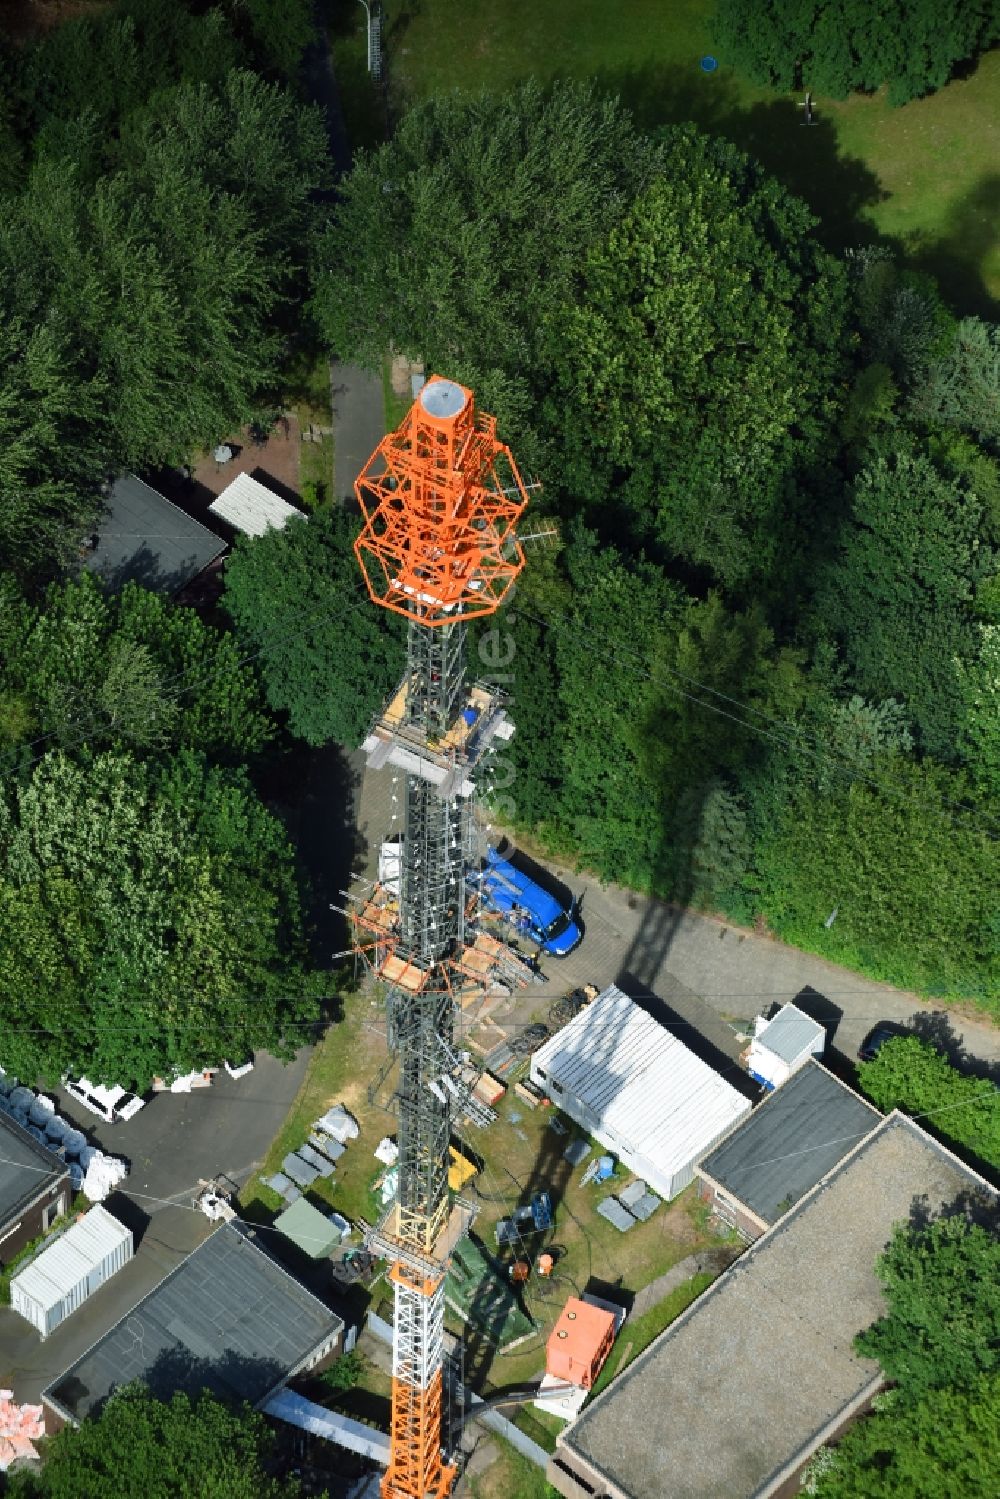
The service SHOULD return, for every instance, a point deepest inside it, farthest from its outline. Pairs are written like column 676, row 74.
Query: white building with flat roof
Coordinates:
column 634, row 1086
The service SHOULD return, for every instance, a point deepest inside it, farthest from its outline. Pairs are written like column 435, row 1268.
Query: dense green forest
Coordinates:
column 756, row 665
column 160, row 180
column 758, row 670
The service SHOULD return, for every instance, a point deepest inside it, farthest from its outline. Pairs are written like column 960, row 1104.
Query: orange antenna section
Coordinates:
column 441, row 497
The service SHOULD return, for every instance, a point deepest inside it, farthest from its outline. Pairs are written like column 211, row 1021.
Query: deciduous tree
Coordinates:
column 496, row 201
column 942, row 1286
column 835, row 46
column 158, row 1448
column 328, row 656
column 897, row 595
column 128, row 672
column 698, row 361
column 947, row 1442
column 909, row 1074
column 912, row 875
column 150, row 919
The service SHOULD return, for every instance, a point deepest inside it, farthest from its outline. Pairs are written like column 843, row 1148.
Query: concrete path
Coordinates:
column 711, row 1261
column 358, row 423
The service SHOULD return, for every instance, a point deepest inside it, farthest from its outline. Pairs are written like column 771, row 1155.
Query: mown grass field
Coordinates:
column 926, row 176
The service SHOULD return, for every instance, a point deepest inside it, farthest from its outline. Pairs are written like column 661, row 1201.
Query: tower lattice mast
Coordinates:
column 441, row 497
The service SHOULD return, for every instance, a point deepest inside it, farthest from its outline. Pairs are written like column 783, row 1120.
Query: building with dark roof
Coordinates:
column 145, row 538
column 789, row 1143
column 34, row 1188
column 736, row 1395
column 228, row 1318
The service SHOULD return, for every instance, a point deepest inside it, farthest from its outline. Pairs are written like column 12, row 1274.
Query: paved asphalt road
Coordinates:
column 358, row 423
column 179, row 1138
column 710, row 976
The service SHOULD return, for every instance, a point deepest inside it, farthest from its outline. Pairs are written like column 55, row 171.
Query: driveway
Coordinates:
column 358, row 423
column 179, row 1138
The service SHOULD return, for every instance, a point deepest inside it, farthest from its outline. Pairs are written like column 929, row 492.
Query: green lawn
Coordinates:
column 338, row 1072
column 510, row 1477
column 638, row 1334
column 395, row 406
column 926, row 175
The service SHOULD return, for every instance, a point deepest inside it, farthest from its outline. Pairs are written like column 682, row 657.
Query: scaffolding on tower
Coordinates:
column 441, row 497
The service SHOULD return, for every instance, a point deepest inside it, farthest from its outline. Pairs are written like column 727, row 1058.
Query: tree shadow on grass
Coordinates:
column 956, row 258
column 807, row 159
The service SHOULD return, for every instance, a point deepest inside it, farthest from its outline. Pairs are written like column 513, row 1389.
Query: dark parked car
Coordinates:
column 876, row 1038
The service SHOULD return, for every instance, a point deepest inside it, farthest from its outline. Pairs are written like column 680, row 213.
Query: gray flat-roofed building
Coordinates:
column 789, row 1143
column 34, row 1188
column 737, row 1394
column 228, row 1318
column 144, row 538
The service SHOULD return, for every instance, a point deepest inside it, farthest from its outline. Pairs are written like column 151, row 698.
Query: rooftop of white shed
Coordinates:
column 71, row 1257
column 249, row 506
column 641, row 1081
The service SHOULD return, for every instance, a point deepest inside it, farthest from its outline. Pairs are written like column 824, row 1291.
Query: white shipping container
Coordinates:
column 782, row 1045
column 77, row 1264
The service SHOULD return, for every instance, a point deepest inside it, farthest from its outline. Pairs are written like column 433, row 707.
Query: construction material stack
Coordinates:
column 441, row 497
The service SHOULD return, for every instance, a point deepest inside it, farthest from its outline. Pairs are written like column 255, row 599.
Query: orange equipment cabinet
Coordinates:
column 579, row 1343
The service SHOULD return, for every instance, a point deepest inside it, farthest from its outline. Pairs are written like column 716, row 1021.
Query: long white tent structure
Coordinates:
column 635, row 1087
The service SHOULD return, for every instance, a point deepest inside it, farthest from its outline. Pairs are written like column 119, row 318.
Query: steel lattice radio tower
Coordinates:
column 441, row 497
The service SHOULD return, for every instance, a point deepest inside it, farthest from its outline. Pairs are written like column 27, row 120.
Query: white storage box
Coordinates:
column 73, row 1267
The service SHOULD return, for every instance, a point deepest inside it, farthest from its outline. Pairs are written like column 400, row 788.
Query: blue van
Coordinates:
column 531, row 910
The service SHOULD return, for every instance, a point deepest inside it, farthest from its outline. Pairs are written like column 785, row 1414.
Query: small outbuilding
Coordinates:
column 60, row 1279
column 250, row 507
column 783, row 1044
column 309, row 1229
column 35, row 1187
column 791, row 1141
column 633, row 1085
column 144, row 538
column 579, row 1343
